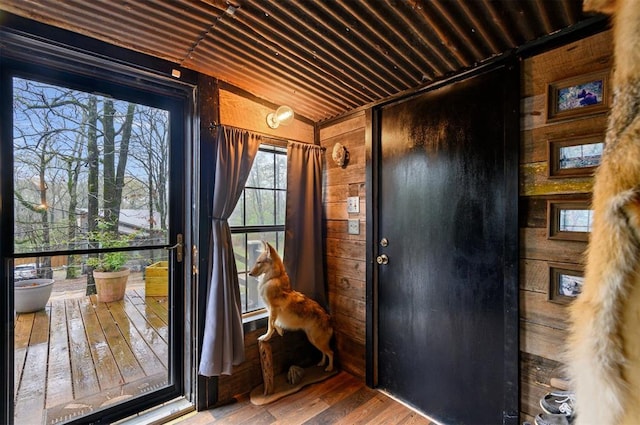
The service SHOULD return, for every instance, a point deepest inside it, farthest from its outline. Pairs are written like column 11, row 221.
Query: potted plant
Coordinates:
column 109, row 272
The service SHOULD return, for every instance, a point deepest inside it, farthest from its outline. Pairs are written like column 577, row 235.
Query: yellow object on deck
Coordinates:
column 156, row 279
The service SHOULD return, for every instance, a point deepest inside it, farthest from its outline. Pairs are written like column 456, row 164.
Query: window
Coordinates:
column 569, row 219
column 259, row 215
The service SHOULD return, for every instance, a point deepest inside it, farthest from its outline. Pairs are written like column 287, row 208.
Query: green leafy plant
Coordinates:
column 109, row 261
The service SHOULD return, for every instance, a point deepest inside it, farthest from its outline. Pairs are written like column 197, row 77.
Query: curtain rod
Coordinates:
column 215, row 125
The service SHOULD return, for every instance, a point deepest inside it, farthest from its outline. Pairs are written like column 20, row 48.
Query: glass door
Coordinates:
column 96, row 190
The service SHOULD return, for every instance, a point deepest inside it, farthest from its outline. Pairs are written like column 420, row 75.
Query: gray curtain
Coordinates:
column 223, row 342
column 303, row 257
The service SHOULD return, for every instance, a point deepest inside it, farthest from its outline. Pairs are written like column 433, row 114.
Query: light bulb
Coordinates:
column 283, row 115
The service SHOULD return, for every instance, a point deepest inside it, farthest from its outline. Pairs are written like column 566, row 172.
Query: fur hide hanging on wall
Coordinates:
column 603, row 356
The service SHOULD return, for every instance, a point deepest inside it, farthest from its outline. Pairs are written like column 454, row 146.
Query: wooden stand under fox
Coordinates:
column 289, row 309
column 604, row 343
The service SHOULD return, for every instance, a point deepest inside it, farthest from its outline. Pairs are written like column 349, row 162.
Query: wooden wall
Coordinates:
column 543, row 324
column 345, row 253
column 237, row 110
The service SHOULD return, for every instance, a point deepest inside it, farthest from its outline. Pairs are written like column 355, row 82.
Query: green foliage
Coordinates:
column 108, row 238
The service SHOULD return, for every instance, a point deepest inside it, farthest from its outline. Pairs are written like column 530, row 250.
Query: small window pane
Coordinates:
column 575, row 220
column 581, row 156
column 260, row 204
column 570, row 285
column 280, row 206
column 281, row 171
column 240, row 252
column 254, row 249
column 262, row 171
column 237, row 217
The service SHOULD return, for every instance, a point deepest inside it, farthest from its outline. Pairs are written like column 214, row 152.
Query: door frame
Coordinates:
column 31, row 47
column 511, row 400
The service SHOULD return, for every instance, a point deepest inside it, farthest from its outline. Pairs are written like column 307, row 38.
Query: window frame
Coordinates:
column 277, row 147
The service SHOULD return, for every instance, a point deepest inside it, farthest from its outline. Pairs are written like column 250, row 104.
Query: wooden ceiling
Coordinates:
column 323, row 57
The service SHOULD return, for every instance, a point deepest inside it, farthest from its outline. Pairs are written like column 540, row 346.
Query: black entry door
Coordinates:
column 447, row 213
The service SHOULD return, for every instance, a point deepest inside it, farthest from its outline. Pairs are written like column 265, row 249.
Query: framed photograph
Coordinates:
column 565, row 282
column 583, row 95
column 575, row 156
column 569, row 220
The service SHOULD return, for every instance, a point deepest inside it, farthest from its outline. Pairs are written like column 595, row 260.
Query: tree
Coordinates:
column 152, row 140
column 113, row 174
column 72, row 167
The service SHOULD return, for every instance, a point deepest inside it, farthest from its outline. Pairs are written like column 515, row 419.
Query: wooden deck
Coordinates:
column 79, row 355
column 340, row 400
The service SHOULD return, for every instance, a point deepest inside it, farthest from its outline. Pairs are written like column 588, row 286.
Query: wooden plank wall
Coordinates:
column 239, row 111
column 543, row 324
column 345, row 253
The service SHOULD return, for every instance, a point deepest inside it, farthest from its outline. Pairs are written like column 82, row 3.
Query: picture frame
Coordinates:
column 583, row 95
column 569, row 220
column 565, row 282
column 575, row 156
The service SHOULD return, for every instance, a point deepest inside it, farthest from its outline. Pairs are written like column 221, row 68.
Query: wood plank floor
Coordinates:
column 340, row 400
column 79, row 355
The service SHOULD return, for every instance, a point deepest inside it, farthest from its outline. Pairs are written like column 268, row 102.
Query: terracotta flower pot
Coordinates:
column 111, row 285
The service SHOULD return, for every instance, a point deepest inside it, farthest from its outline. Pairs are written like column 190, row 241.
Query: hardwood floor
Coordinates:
column 342, row 399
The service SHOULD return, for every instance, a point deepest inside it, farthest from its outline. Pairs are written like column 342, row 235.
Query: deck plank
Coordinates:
column 59, row 382
column 159, row 306
column 105, row 364
column 151, row 336
column 136, row 297
column 129, row 367
column 144, row 354
column 22, row 332
column 85, row 378
column 155, row 315
column 28, row 408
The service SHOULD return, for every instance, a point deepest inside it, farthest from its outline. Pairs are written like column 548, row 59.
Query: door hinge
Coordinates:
column 194, row 260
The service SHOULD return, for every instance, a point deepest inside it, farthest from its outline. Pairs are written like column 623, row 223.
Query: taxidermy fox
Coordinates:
column 289, row 309
column 604, row 343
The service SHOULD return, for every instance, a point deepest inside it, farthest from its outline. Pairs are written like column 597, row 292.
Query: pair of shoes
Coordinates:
column 553, row 419
column 559, row 402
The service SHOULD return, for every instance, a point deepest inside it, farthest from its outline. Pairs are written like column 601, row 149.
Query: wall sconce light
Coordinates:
column 283, row 115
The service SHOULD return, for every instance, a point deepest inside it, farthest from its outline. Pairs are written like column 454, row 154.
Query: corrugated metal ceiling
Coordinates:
column 323, row 57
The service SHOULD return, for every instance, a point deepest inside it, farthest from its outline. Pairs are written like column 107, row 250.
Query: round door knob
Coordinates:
column 382, row 259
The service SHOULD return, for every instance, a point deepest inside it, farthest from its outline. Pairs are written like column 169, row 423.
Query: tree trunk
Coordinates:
column 93, row 162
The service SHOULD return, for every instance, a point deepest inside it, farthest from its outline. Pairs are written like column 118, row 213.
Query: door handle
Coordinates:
column 178, row 247
column 382, row 259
